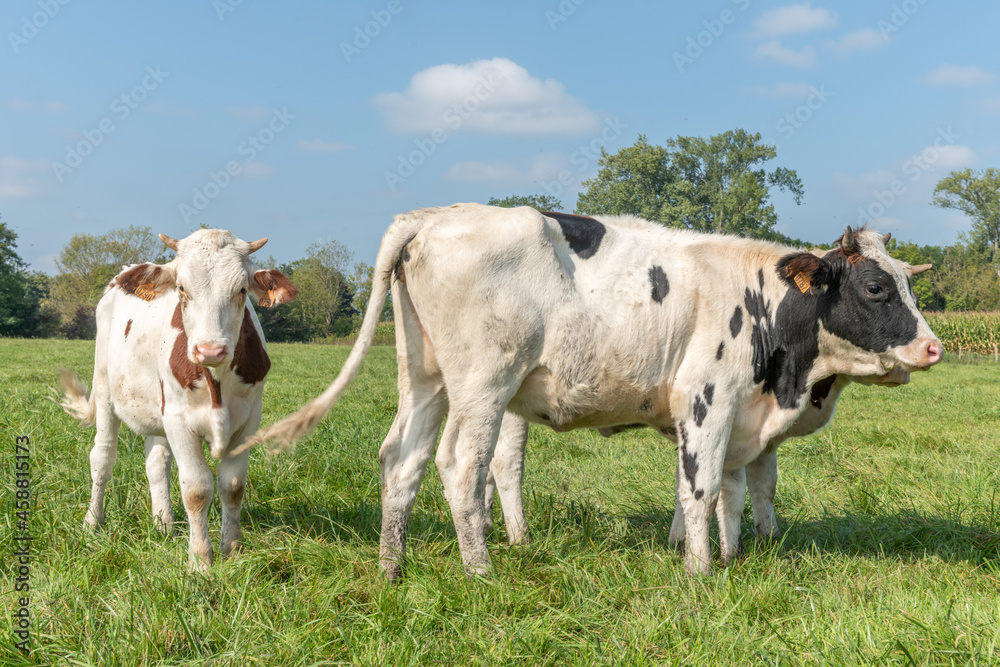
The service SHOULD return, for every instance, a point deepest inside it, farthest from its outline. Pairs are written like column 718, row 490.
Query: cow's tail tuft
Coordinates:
column 76, row 400
column 283, row 435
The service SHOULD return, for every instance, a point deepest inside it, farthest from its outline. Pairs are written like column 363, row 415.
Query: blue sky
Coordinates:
column 314, row 121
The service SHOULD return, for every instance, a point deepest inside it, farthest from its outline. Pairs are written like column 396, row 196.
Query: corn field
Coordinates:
column 977, row 332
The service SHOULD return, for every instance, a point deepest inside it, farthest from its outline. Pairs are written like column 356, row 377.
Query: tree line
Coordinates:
column 719, row 184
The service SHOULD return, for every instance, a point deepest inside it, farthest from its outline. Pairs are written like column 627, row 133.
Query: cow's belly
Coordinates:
column 136, row 394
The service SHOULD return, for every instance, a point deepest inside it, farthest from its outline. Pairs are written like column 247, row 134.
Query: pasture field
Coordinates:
column 891, row 554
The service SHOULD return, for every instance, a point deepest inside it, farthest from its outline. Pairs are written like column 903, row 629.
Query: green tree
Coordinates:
column 977, row 195
column 19, row 290
column 541, row 202
column 928, row 292
column 712, row 185
column 324, row 306
column 965, row 278
column 361, row 284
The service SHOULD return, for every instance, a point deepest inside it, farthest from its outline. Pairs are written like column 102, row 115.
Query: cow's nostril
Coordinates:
column 209, row 354
column 934, row 352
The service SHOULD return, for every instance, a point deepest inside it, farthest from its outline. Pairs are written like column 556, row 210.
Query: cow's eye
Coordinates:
column 874, row 289
column 243, row 291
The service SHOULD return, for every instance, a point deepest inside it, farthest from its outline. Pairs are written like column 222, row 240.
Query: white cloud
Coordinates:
column 948, row 158
column 495, row 96
column 773, row 50
column 256, row 169
column 320, row 146
column 52, row 106
column 857, row 41
column 251, row 114
column 792, row 19
column 783, row 89
column 954, row 75
column 542, row 168
column 18, row 178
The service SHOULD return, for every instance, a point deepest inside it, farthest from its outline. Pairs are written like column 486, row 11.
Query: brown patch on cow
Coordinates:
column 273, row 287
column 250, row 360
column 163, row 399
column 128, row 327
column 186, row 373
column 853, row 255
column 195, row 502
column 136, row 277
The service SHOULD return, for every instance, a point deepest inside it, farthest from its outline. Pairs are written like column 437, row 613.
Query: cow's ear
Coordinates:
column 272, row 288
column 805, row 271
column 146, row 281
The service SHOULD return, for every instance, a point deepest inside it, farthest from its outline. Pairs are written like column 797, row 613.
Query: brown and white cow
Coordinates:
column 181, row 358
column 577, row 322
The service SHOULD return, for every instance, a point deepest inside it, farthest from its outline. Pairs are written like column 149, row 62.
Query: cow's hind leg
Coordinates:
column 732, row 500
column 102, row 460
column 506, row 475
column 158, row 458
column 762, row 480
column 404, row 456
column 463, row 459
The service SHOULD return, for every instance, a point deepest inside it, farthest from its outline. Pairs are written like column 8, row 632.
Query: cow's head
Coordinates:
column 870, row 322
column 213, row 276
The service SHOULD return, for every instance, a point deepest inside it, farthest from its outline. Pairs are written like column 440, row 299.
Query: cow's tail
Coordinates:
column 76, row 401
column 282, row 435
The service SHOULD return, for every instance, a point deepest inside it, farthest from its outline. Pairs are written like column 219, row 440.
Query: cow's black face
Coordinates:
column 865, row 307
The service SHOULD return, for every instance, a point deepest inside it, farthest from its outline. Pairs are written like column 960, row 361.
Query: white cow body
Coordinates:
column 579, row 322
column 180, row 358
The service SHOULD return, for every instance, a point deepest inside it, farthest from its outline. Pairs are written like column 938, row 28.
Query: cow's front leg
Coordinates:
column 507, row 476
column 676, row 538
column 196, row 481
column 158, row 459
column 732, row 500
column 463, row 459
column 232, row 481
column 762, row 480
column 704, row 424
column 102, row 459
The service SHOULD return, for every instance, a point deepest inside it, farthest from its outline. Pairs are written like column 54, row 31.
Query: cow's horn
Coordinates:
column 920, row 268
column 885, row 239
column 258, row 244
column 847, row 242
column 169, row 242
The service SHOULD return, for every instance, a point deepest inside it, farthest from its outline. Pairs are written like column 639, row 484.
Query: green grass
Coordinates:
column 891, row 553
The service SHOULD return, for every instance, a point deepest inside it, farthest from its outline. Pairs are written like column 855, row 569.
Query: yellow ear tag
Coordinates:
column 803, row 282
column 267, row 301
column 145, row 292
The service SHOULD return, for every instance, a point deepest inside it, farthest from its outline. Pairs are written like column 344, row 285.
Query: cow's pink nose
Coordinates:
column 209, row 355
column 934, row 352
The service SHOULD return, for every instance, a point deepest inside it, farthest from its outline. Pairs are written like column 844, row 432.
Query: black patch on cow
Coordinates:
column 661, row 287
column 698, row 494
column 646, row 406
column 699, row 411
column 821, row 390
column 760, row 278
column 718, row 353
column 583, row 234
column 689, row 462
column 709, row 392
column 736, row 322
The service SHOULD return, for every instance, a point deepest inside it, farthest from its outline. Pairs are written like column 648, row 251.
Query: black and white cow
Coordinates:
column 575, row 322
